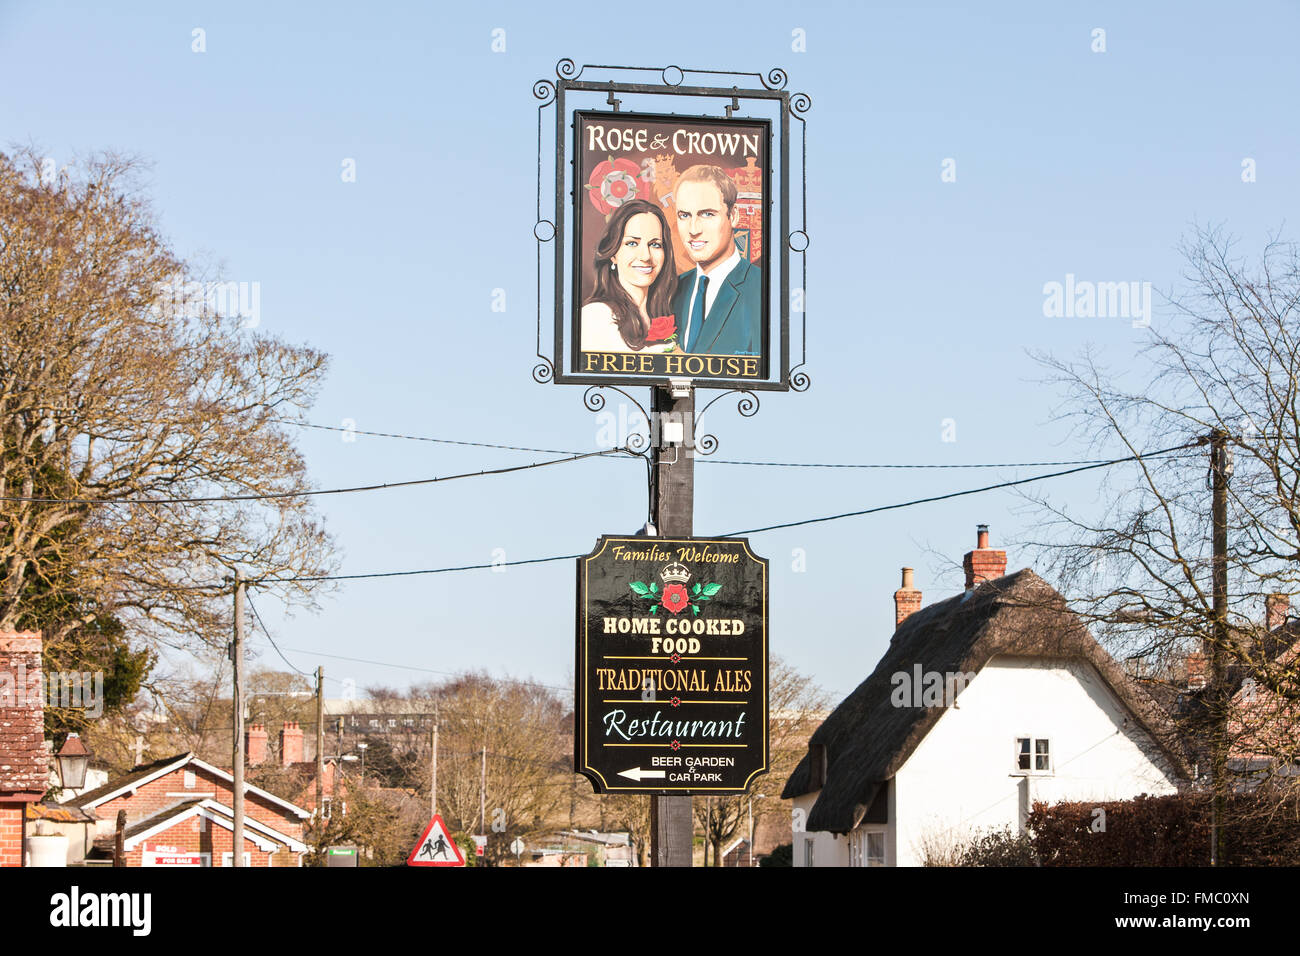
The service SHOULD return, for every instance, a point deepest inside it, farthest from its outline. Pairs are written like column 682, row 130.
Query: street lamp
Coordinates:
column 73, row 759
column 363, row 747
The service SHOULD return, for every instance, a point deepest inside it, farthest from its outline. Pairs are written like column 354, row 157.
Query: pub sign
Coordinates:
column 671, row 669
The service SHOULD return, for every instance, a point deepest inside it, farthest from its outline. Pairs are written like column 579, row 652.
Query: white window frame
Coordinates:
column 860, row 847
column 227, row 858
column 809, row 852
column 1033, row 769
column 867, row 858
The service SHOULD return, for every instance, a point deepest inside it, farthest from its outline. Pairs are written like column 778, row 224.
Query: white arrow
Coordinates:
column 637, row 774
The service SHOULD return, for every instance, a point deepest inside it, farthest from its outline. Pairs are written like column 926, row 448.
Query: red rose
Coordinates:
column 661, row 327
column 675, row 597
column 614, row 182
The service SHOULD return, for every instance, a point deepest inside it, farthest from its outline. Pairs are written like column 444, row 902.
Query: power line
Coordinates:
column 325, row 491
column 425, row 670
column 773, row 527
column 266, row 631
column 437, row 441
column 700, row 459
column 958, row 494
column 822, row 464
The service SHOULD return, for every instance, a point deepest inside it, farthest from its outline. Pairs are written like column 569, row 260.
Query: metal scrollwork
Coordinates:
column 775, row 79
column 544, row 90
column 747, row 405
column 543, row 372
column 594, row 400
column 567, row 70
column 800, row 381
column 801, row 102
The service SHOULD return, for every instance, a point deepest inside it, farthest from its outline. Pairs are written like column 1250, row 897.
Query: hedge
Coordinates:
column 1166, row 831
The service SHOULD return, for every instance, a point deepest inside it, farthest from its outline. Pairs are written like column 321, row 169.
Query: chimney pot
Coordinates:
column 290, row 743
column 255, row 744
column 1277, row 609
column 907, row 599
column 984, row 563
column 1196, row 672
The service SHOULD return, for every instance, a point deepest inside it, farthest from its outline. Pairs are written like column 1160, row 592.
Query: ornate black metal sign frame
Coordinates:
column 779, row 372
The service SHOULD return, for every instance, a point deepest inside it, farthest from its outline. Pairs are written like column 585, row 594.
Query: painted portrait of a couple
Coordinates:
column 674, row 275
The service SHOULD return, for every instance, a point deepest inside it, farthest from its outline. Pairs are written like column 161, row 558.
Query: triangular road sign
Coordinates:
column 436, row 847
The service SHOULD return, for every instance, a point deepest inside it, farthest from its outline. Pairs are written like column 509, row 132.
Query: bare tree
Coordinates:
column 124, row 387
column 524, row 728
column 796, row 707
column 1215, row 390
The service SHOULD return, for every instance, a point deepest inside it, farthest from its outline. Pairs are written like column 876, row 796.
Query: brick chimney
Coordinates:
column 907, row 599
column 255, row 744
column 290, row 743
column 1276, row 609
column 984, row 563
column 1197, row 675
column 24, row 761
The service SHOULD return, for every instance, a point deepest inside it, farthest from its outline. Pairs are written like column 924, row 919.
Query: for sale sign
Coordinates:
column 671, row 666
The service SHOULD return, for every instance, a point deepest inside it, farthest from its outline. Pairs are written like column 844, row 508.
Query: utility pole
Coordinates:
column 1220, row 470
column 482, row 804
column 320, row 744
column 433, row 766
column 672, row 505
column 237, row 705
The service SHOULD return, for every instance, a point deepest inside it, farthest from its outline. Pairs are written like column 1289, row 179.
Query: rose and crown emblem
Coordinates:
column 675, row 596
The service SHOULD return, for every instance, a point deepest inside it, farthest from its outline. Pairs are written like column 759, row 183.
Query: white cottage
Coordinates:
column 983, row 705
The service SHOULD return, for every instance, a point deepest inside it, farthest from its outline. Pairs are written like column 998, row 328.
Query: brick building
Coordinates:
column 24, row 762
column 179, row 813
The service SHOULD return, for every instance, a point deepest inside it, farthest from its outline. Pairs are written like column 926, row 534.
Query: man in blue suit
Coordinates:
column 719, row 303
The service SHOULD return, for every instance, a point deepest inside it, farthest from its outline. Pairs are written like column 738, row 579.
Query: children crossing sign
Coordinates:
column 435, row 847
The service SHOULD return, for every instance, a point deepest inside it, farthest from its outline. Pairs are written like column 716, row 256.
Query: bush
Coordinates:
column 1167, row 831
column 1000, row 848
column 783, row 855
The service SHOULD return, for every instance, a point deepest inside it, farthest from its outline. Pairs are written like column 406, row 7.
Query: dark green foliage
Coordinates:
column 1000, row 848
column 783, row 855
column 1258, row 830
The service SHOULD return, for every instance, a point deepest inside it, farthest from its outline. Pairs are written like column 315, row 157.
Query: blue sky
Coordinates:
column 924, row 296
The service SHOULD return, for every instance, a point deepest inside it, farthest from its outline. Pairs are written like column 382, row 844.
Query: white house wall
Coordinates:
column 963, row 778
column 828, row 850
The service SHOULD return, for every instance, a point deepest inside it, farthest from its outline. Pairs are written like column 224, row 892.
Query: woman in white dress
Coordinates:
column 630, row 308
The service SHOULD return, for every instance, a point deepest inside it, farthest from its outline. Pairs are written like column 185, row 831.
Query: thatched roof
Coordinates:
column 867, row 739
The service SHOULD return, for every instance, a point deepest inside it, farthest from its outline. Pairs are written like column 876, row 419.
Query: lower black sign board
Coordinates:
column 671, row 666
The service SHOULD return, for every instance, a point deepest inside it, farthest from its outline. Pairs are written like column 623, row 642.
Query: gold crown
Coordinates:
column 675, row 572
